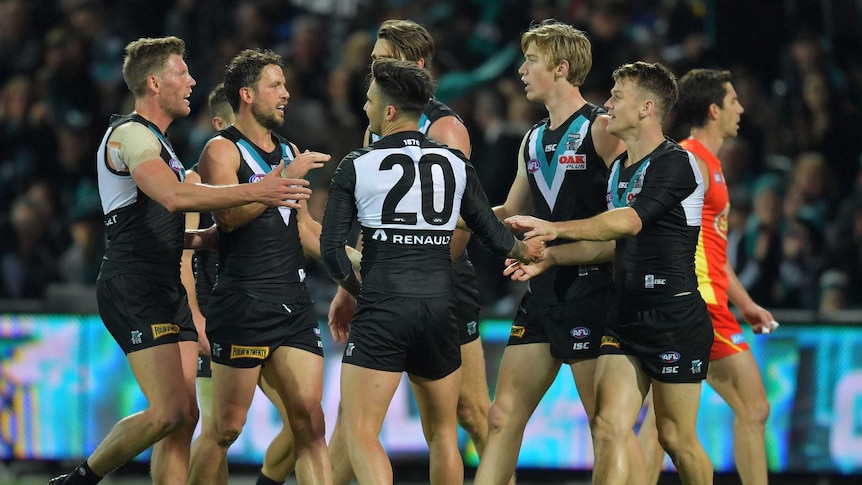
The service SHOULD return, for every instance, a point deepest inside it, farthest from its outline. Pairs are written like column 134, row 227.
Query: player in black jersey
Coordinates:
column 259, row 309
column 660, row 333
column 562, row 172
column 140, row 296
column 409, row 41
column 198, row 271
column 406, row 191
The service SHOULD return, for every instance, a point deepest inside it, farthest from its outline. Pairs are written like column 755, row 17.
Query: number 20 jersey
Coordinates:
column 407, row 191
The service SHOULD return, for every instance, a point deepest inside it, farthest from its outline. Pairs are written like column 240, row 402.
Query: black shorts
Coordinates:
column 395, row 334
column 142, row 311
column 205, row 366
column 672, row 340
column 467, row 306
column 574, row 330
column 244, row 331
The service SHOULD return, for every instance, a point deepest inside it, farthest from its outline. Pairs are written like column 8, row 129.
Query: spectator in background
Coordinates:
column 28, row 262
column 760, row 252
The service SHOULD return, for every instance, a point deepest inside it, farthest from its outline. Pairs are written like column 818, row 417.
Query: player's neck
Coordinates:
column 255, row 132
column 150, row 111
column 708, row 137
column 641, row 142
column 399, row 125
column 562, row 103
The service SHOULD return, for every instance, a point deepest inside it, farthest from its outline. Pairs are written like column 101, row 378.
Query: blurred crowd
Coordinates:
column 793, row 172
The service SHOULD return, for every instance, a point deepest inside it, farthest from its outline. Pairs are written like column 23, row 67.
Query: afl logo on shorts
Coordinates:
column 533, row 166
column 256, row 178
column 669, row 357
column 580, row 332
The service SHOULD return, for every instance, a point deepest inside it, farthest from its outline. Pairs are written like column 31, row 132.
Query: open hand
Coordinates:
column 533, row 225
column 303, row 163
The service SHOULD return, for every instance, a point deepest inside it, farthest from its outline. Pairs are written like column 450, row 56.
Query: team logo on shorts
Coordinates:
column 517, row 331
column 580, row 332
column 533, row 166
column 669, row 357
column 162, row 329
column 737, row 338
column 609, row 341
column 216, row 350
column 348, row 351
column 696, row 366
column 137, row 337
column 472, row 328
column 255, row 178
column 249, row 352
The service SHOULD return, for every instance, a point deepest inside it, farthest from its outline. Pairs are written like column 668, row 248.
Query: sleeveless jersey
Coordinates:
column 263, row 257
column 568, row 180
column 711, row 255
column 406, row 191
column 142, row 235
column 666, row 190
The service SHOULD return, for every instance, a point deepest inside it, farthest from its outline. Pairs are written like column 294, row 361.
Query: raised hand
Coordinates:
column 533, row 226
column 276, row 191
column 303, row 163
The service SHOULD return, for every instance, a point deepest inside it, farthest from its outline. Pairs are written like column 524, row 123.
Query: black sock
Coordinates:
column 265, row 480
column 82, row 475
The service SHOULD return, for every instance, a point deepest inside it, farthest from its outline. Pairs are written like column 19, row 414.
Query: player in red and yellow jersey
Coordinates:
column 709, row 103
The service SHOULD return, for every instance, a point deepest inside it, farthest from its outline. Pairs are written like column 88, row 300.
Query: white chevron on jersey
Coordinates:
column 374, row 184
column 551, row 192
column 250, row 157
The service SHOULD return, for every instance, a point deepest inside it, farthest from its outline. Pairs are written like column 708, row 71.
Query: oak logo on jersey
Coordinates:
column 573, row 161
column 518, row 331
column 249, row 352
column 162, row 329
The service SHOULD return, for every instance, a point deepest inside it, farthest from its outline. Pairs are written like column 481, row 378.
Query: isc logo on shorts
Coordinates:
column 245, row 352
column 162, row 329
column 517, row 331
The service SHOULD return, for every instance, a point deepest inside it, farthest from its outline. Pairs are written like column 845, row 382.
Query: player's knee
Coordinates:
column 168, row 420
column 307, row 420
column 756, row 412
column 605, row 430
column 499, row 416
column 471, row 415
column 675, row 441
column 227, row 435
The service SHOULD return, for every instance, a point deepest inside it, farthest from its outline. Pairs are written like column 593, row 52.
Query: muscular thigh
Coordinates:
column 142, row 311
